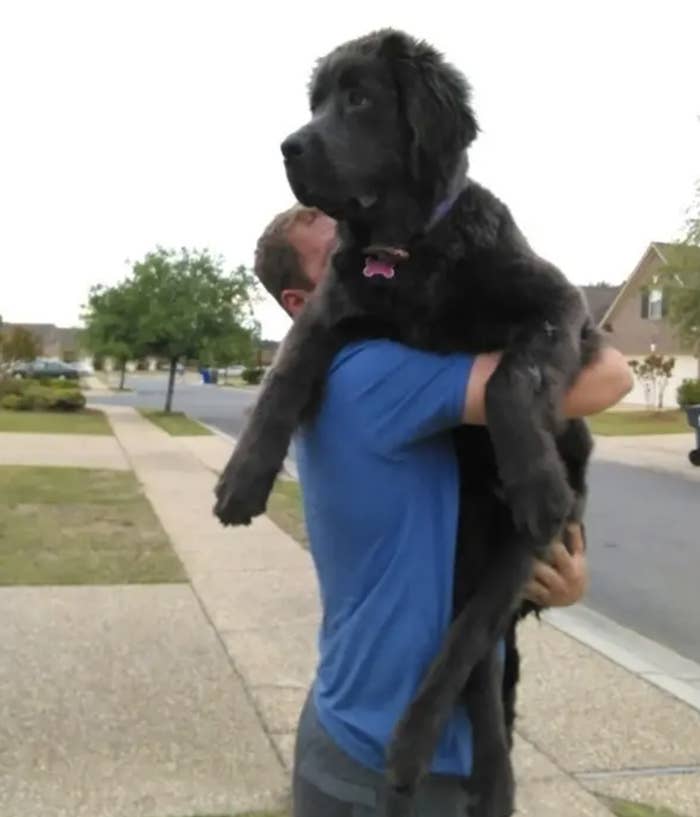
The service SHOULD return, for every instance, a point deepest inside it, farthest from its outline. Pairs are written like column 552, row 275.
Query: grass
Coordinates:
column 87, row 421
column 175, row 423
column 238, row 383
column 285, row 509
column 626, row 808
column 625, row 423
column 66, row 526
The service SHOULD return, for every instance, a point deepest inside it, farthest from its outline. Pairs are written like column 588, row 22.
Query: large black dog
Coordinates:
column 432, row 259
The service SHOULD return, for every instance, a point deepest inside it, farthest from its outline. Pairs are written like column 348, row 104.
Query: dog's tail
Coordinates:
column 482, row 621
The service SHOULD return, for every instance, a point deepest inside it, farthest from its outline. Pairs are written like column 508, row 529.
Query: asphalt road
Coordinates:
column 221, row 407
column 643, row 526
column 644, row 553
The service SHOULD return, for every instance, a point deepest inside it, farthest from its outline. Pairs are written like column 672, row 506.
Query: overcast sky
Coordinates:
column 129, row 124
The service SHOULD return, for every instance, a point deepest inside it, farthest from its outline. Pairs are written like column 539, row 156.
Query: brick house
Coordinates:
column 634, row 317
column 56, row 341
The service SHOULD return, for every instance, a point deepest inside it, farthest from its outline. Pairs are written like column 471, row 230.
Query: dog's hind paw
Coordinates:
column 493, row 795
column 398, row 803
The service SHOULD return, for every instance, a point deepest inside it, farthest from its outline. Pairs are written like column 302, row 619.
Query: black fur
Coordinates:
column 384, row 148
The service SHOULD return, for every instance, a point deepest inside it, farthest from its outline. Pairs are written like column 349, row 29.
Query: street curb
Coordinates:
column 646, row 659
column 643, row 657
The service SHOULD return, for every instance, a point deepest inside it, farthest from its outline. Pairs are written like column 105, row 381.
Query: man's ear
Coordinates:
column 435, row 103
column 293, row 301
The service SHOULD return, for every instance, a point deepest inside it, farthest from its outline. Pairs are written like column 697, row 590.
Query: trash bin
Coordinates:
column 214, row 376
column 206, row 376
column 693, row 415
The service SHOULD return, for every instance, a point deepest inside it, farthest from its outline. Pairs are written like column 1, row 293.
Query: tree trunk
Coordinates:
column 122, row 376
column 171, row 385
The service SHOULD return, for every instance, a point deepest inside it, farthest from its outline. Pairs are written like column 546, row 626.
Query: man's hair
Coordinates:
column 277, row 263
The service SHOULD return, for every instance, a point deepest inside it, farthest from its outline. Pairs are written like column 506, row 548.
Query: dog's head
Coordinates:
column 390, row 124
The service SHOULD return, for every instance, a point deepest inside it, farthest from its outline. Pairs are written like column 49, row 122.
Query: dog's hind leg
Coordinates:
column 491, row 785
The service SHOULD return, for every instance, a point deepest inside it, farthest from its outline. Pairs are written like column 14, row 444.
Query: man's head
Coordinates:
column 293, row 255
column 390, row 123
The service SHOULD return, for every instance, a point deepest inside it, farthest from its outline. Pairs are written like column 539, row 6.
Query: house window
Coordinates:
column 656, row 303
column 653, row 306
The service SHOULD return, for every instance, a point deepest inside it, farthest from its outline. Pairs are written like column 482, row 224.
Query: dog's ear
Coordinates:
column 434, row 100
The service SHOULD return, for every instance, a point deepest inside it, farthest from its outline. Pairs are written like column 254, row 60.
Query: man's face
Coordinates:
column 313, row 236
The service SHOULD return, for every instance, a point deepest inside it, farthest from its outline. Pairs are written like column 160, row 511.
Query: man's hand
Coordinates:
column 562, row 581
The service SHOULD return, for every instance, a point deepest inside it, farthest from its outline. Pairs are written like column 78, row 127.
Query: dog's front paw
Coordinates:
column 541, row 501
column 242, row 491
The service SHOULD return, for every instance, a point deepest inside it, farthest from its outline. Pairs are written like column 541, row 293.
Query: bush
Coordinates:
column 11, row 385
column 39, row 397
column 30, row 395
column 252, row 376
column 66, row 400
column 57, row 383
column 17, row 402
column 688, row 393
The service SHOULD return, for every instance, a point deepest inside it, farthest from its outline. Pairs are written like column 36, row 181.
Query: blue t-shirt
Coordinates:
column 380, row 485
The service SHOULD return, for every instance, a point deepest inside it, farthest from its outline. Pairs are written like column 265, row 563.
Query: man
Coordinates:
column 380, row 487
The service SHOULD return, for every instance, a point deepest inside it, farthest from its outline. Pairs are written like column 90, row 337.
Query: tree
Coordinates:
column 188, row 307
column 19, row 343
column 653, row 373
column 681, row 280
column 112, row 324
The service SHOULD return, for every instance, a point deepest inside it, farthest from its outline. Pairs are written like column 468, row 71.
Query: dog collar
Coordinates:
column 454, row 190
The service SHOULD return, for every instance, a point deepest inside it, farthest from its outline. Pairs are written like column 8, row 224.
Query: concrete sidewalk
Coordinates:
column 659, row 452
column 587, row 723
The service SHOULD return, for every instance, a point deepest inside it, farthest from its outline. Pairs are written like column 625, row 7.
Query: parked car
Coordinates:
column 45, row 369
column 84, row 367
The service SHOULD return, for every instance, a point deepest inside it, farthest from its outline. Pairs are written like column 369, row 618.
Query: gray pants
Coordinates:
column 328, row 783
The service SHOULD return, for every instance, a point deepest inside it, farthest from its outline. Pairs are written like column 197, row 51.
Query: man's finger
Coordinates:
column 537, row 593
column 578, row 546
column 545, row 574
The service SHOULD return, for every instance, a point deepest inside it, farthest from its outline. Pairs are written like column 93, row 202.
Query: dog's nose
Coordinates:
column 292, row 147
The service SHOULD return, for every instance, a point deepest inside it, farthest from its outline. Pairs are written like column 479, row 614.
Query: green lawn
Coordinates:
column 175, row 423
column 626, row 808
column 86, row 421
column 237, row 382
column 80, row 526
column 285, row 509
column 626, row 423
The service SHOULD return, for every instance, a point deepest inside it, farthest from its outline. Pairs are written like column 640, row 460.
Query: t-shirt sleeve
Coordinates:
column 403, row 395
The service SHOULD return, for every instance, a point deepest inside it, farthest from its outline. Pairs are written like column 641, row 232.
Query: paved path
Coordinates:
column 121, row 702
column 587, row 721
column 77, row 450
column 664, row 453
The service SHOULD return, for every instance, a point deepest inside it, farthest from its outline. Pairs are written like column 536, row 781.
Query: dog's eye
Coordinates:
column 357, row 98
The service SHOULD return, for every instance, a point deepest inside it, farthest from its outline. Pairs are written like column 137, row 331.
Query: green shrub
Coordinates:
column 57, row 383
column 39, row 397
column 252, row 376
column 10, row 385
column 66, row 400
column 16, row 402
column 688, row 393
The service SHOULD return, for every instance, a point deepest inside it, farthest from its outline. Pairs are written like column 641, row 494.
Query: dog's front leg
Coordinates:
column 292, row 383
column 524, row 400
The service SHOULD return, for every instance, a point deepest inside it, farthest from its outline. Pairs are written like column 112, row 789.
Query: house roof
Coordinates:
column 658, row 249
column 599, row 299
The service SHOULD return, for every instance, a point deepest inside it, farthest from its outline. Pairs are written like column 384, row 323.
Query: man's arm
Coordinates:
column 602, row 384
